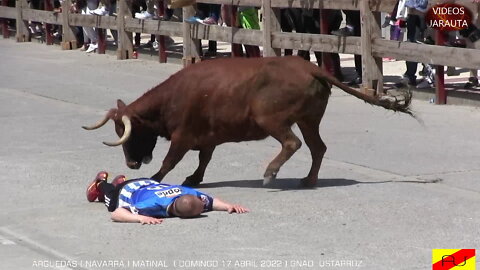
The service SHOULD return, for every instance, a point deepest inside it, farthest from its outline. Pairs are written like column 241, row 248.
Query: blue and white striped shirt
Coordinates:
column 147, row 197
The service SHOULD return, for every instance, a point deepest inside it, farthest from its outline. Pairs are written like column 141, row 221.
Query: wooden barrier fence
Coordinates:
column 370, row 44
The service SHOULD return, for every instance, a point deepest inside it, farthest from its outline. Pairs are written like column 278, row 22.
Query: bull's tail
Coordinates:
column 387, row 102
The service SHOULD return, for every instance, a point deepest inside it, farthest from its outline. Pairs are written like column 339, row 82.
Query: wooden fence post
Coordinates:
column 188, row 42
column 271, row 23
column 69, row 41
column 125, row 39
column 371, row 66
column 23, row 34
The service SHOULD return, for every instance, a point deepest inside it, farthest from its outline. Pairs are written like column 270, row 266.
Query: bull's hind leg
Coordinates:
column 290, row 144
column 309, row 128
column 204, row 157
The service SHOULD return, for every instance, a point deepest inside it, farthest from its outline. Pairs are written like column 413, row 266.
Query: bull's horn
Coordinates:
column 126, row 133
column 109, row 115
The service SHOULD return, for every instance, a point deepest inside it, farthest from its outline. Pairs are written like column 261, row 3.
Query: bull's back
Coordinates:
column 223, row 100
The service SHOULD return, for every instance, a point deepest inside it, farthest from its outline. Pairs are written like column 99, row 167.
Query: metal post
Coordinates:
column 48, row 27
column 440, row 93
column 102, row 41
column 162, row 48
column 6, row 33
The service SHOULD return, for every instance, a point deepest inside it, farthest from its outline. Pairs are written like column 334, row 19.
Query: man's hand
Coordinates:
column 123, row 215
column 150, row 220
column 219, row 205
column 237, row 209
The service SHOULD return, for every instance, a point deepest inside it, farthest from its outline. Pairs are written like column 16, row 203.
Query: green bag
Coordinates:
column 249, row 19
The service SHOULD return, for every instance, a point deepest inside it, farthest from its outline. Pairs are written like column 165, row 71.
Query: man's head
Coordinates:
column 187, row 206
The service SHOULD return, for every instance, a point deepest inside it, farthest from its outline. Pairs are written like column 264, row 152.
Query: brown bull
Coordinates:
column 231, row 100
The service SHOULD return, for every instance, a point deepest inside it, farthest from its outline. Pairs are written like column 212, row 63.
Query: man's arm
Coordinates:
column 123, row 215
column 219, row 205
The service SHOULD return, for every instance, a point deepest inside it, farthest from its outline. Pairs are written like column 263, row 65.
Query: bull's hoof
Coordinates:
column 191, row 182
column 308, row 183
column 268, row 180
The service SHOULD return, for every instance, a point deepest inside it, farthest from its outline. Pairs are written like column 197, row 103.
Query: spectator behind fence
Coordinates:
column 207, row 14
column 352, row 28
column 397, row 22
column 248, row 19
column 311, row 23
column 415, row 20
column 287, row 24
column 148, row 11
column 106, row 7
column 89, row 33
column 35, row 28
column 472, row 39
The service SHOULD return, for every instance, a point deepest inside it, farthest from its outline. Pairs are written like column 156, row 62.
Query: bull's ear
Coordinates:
column 120, row 104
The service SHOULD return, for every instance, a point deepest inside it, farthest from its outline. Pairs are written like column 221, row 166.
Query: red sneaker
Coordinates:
column 93, row 192
column 118, row 180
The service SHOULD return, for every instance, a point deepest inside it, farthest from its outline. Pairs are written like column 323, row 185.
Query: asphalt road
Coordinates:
column 390, row 189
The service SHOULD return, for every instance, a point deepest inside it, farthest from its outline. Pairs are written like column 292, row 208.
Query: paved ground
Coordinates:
column 390, row 189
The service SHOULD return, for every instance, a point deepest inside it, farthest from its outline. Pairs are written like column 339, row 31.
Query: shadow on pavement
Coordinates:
column 285, row 184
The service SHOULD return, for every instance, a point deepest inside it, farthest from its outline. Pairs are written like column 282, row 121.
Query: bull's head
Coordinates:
column 136, row 139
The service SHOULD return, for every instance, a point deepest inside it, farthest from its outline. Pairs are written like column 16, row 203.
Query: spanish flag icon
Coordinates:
column 453, row 259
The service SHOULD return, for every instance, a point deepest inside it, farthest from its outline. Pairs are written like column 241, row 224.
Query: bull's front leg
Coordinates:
column 204, row 158
column 175, row 153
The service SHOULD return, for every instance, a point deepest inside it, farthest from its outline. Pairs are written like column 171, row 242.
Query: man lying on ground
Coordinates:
column 147, row 201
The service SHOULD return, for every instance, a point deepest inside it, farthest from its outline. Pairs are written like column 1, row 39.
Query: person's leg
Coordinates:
column 358, row 67
column 108, row 191
column 212, row 47
column 334, row 21
column 225, row 12
column 214, row 12
column 112, row 190
column 311, row 21
column 412, row 23
column 213, row 16
column 136, row 5
column 348, row 30
column 112, row 9
column 286, row 26
column 151, row 6
column 473, row 79
column 354, row 20
column 252, row 51
column 90, row 33
column 231, row 19
column 297, row 18
column 202, row 10
column 251, row 16
column 93, row 192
